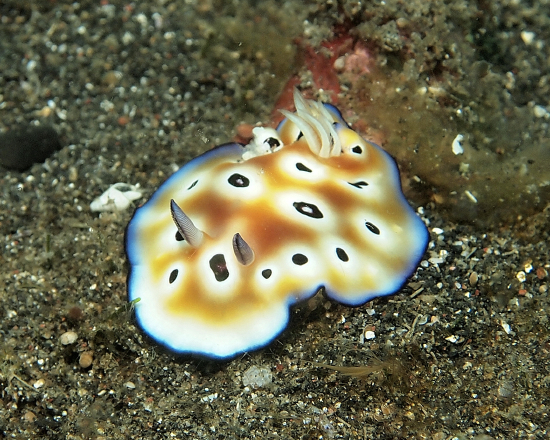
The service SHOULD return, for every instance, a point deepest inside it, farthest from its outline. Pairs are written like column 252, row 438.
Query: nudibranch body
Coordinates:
column 240, row 233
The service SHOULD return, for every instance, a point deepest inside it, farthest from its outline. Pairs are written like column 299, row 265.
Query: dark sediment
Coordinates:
column 138, row 89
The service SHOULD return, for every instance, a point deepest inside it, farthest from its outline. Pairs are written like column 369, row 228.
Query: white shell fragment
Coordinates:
column 117, row 198
column 369, row 334
column 457, row 144
column 506, row 327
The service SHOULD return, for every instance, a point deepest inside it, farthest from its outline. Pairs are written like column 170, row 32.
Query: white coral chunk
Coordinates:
column 117, row 198
column 266, row 140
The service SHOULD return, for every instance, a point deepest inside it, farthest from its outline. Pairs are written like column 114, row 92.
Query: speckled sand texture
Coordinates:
column 134, row 90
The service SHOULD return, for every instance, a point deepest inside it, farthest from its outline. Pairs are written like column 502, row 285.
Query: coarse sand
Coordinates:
column 134, row 90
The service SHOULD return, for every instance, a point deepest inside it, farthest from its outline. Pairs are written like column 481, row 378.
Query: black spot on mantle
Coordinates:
column 359, row 184
column 173, row 276
column 342, row 255
column 238, row 180
column 373, row 228
column 299, row 259
column 308, row 209
column 219, row 267
column 301, row 167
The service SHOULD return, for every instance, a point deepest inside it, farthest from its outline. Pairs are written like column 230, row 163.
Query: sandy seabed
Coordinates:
column 134, row 90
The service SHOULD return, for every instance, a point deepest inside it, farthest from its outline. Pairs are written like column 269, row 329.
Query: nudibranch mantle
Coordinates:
column 240, row 233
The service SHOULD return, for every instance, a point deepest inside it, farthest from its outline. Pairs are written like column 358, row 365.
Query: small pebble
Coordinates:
column 86, row 359
column 506, row 327
column 130, row 385
column 401, row 22
column 521, row 276
column 527, row 37
column 540, row 112
column 340, row 64
column 73, row 174
column 257, row 377
column 542, row 273
column 68, row 338
column 29, row 416
column 39, row 383
column 369, row 334
column 473, row 279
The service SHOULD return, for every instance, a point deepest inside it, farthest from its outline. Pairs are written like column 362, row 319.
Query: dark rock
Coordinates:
column 21, row 147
